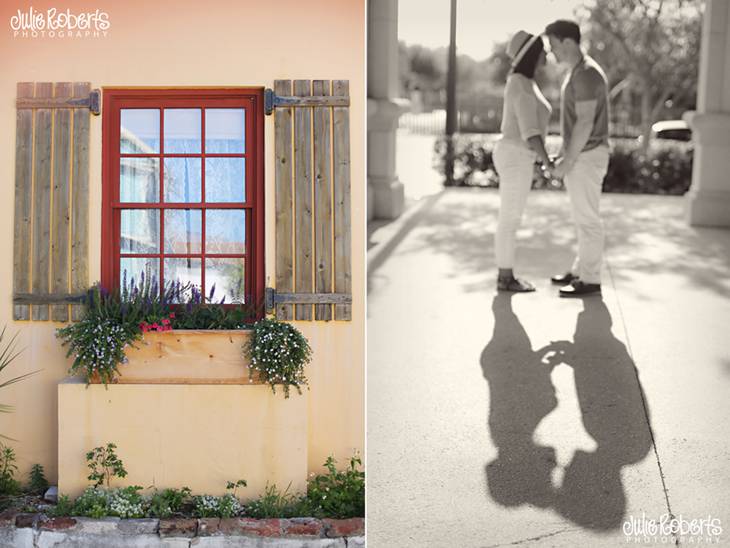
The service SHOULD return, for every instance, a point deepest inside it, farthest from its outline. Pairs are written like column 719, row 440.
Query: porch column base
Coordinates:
column 387, row 198
column 708, row 200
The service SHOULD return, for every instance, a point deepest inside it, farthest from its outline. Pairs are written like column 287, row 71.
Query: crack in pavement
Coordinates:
column 643, row 397
column 532, row 539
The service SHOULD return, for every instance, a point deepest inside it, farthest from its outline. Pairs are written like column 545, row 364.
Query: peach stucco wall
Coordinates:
column 190, row 43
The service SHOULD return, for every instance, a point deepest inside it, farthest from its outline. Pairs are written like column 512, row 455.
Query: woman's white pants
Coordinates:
column 515, row 167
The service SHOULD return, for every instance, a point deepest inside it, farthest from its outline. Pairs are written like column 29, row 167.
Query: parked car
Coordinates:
column 676, row 130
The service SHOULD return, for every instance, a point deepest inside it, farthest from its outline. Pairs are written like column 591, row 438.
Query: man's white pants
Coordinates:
column 584, row 182
column 515, row 166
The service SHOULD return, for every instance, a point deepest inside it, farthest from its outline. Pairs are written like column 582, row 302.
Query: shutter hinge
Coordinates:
column 272, row 298
column 272, row 100
column 92, row 102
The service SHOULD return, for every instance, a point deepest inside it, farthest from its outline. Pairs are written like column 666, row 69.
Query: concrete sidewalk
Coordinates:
column 534, row 420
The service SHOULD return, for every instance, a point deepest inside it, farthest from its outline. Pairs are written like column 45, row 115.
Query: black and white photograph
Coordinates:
column 548, row 273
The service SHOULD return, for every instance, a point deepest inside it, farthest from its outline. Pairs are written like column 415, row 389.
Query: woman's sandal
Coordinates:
column 514, row 284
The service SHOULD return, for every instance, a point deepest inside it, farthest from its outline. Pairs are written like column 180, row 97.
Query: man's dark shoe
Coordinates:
column 580, row 289
column 563, row 279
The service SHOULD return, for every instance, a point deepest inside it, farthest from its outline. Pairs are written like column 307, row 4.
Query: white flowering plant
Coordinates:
column 99, row 339
column 208, row 506
column 96, row 502
column 278, row 352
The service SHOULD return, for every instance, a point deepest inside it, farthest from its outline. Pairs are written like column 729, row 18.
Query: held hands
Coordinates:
column 560, row 169
column 555, row 353
column 547, row 168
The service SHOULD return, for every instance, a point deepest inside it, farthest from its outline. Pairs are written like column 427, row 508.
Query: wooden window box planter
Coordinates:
column 187, row 357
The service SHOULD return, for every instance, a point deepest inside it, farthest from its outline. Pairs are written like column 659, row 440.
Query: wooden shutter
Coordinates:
column 312, row 149
column 50, row 256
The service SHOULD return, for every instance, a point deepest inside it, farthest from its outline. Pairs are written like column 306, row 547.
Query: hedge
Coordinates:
column 666, row 168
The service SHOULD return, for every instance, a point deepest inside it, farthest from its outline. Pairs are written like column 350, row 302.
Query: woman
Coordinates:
column 524, row 125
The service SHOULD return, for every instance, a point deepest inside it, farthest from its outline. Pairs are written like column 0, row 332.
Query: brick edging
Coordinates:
column 311, row 528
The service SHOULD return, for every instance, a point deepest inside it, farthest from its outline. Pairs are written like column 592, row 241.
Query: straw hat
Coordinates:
column 519, row 45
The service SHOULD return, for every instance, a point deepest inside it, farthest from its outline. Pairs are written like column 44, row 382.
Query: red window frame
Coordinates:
column 252, row 100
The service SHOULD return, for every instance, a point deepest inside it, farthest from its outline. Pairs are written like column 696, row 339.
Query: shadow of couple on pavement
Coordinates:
column 522, row 394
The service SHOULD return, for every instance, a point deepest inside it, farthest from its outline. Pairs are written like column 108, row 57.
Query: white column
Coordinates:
column 708, row 199
column 385, row 191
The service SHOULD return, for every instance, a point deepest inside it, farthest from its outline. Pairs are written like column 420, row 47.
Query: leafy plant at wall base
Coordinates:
column 8, row 484
column 338, row 494
column 278, row 352
column 91, row 503
column 104, row 465
column 126, row 502
column 207, row 506
column 38, row 482
column 167, row 502
column 64, row 507
column 276, row 504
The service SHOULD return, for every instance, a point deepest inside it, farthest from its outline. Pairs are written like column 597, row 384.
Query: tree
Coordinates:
column 650, row 47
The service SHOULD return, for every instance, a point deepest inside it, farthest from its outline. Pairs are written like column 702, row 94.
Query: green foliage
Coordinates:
column 38, row 482
column 213, row 316
column 126, row 502
column 165, row 503
column 104, row 465
column 665, row 168
column 99, row 339
column 208, row 506
column 8, row 484
column 233, row 486
column 91, row 503
column 8, row 353
column 96, row 502
column 64, row 507
column 114, row 321
column 277, row 504
column 278, row 352
column 338, row 494
column 651, row 48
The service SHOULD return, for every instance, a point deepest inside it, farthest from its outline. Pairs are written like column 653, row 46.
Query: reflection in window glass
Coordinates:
column 182, row 130
column 224, row 130
column 185, row 271
column 225, row 180
column 139, row 131
column 140, row 231
column 183, row 231
column 227, row 275
column 182, row 179
column 139, row 179
column 135, row 271
column 225, row 231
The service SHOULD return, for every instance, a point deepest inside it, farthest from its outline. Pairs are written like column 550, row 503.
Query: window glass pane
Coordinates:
column 228, row 277
column 138, row 270
column 140, row 231
column 183, row 231
column 183, row 271
column 182, row 130
column 224, row 130
column 140, row 130
column 182, row 179
column 225, row 231
column 139, row 179
column 225, row 179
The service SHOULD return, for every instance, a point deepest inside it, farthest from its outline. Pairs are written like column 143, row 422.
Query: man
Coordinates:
column 584, row 155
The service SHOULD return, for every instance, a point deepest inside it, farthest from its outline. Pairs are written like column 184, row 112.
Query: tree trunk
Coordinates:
column 646, row 117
